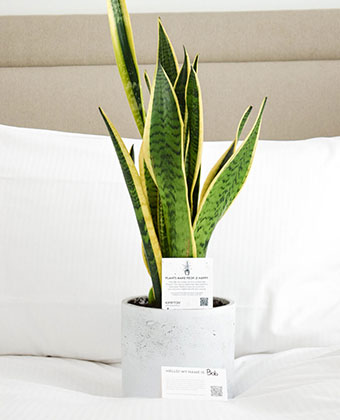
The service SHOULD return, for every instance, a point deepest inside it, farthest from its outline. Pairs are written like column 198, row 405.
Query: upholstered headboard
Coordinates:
column 56, row 70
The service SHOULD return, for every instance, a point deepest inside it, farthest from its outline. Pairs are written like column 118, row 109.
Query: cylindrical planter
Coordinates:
column 153, row 337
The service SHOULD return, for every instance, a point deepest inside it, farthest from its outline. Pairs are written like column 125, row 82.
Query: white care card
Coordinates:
column 187, row 283
column 194, row 383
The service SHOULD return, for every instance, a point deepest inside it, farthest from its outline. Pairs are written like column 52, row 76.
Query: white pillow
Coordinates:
column 277, row 250
column 70, row 245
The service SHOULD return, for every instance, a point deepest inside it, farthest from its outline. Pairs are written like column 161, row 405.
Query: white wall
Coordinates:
column 31, row 7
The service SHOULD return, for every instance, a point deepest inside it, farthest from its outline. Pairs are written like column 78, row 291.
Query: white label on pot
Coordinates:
column 194, row 383
column 187, row 283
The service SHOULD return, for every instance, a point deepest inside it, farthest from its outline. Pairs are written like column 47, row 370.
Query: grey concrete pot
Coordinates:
column 153, row 337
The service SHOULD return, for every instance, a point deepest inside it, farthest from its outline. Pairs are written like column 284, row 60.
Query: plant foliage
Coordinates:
column 175, row 219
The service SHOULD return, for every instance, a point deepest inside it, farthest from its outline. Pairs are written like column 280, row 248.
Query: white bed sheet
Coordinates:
column 297, row 384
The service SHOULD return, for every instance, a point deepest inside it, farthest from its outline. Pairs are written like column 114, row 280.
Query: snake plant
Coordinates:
column 175, row 216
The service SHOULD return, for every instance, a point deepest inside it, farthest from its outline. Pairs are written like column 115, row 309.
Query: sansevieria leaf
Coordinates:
column 150, row 188
column 147, row 81
column 227, row 154
column 151, row 191
column 161, row 230
column 224, row 188
column 152, row 194
column 195, row 196
column 166, row 54
column 195, row 63
column 140, row 204
column 163, row 152
column 193, row 155
column 132, row 153
column 123, row 45
column 181, row 84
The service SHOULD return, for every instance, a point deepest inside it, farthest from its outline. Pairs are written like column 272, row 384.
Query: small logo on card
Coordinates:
column 187, row 269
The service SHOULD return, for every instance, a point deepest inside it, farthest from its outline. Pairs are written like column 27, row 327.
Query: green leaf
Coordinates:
column 166, row 54
column 150, row 189
column 161, row 230
column 155, row 205
column 142, row 211
column 151, row 297
column 227, row 154
column 224, row 188
column 195, row 197
column 132, row 153
column 123, row 45
column 163, row 151
column 195, row 137
column 195, row 63
column 147, row 81
column 181, row 83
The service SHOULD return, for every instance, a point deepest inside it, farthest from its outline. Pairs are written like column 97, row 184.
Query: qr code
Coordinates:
column 204, row 301
column 216, row 391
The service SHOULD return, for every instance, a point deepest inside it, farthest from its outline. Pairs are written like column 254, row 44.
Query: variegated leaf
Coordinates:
column 142, row 211
column 181, row 83
column 132, row 153
column 166, row 54
column 224, row 188
column 161, row 230
column 150, row 189
column 163, row 151
column 123, row 45
column 195, row 197
column 195, row 137
column 227, row 154
column 195, row 63
column 147, row 81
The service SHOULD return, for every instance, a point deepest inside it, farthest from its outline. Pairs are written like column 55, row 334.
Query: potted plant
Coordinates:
column 175, row 217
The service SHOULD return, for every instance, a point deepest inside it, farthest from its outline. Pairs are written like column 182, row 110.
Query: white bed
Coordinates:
column 301, row 384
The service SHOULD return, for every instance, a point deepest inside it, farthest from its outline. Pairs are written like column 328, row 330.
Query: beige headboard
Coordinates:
column 56, row 70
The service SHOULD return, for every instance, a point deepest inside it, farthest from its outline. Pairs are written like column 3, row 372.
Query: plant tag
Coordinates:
column 194, row 383
column 187, row 283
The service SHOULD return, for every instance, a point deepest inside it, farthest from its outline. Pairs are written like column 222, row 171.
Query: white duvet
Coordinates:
column 297, row 384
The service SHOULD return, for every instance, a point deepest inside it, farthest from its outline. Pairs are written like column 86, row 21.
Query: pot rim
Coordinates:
column 127, row 302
